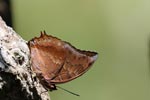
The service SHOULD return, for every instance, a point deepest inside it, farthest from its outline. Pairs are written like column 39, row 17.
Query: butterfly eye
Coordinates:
column 52, row 87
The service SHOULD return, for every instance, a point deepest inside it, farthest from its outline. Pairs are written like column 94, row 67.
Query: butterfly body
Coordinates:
column 56, row 61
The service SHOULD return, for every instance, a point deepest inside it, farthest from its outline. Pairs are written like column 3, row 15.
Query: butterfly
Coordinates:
column 55, row 61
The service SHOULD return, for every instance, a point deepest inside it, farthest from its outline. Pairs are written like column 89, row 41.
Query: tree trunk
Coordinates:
column 17, row 81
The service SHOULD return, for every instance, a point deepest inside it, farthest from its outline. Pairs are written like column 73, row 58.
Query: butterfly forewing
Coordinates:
column 46, row 58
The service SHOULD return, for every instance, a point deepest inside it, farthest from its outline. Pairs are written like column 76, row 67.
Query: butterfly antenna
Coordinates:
column 67, row 91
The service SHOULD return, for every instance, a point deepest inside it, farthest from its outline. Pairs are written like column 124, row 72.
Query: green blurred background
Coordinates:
column 119, row 30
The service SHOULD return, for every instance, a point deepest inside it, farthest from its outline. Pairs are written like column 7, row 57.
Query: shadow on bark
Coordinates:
column 12, row 89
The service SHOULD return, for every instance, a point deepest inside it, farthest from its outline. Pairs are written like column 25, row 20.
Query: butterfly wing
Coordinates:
column 77, row 62
column 47, row 58
column 58, row 61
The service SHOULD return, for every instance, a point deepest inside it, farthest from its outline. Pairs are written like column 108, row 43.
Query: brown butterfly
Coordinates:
column 56, row 61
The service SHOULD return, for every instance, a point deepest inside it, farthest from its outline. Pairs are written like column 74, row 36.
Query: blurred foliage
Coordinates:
column 5, row 11
column 117, row 29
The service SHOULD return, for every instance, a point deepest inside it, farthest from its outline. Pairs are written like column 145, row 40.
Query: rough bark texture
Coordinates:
column 17, row 81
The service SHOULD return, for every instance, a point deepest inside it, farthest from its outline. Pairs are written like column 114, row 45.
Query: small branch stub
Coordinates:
column 17, row 81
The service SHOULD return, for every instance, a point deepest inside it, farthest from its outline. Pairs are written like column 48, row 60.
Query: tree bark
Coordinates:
column 17, row 81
